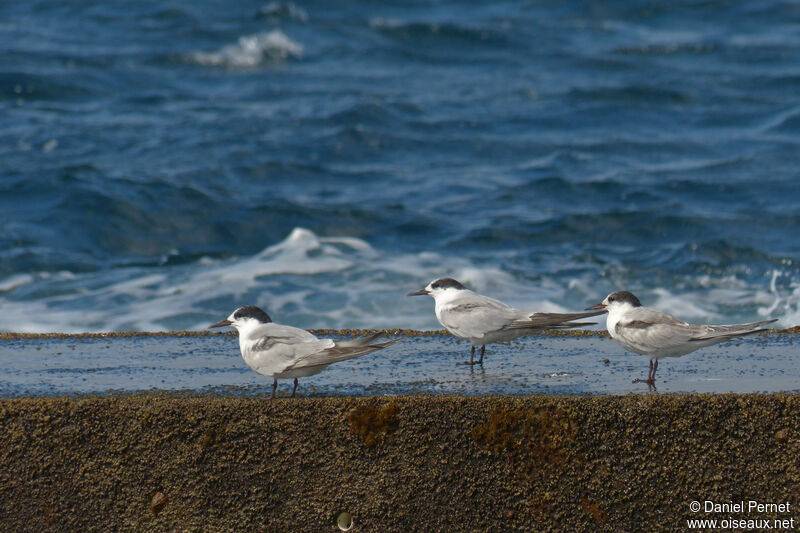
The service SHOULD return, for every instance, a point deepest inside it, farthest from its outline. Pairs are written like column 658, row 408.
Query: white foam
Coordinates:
column 307, row 280
column 251, row 51
column 146, row 301
column 14, row 281
column 728, row 299
column 336, row 282
column 683, row 164
column 50, row 145
column 682, row 306
column 41, row 317
column 782, row 301
column 293, row 11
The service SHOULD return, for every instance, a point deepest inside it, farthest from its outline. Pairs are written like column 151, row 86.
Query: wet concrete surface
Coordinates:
column 546, row 436
column 425, row 362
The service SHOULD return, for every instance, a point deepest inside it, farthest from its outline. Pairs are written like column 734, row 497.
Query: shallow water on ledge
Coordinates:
column 425, row 364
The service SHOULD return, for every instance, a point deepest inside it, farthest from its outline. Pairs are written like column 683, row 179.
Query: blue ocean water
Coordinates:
column 162, row 163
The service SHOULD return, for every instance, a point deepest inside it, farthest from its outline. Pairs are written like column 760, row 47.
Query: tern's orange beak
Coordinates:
column 220, row 324
column 598, row 306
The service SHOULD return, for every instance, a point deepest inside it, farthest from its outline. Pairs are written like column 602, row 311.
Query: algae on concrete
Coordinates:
column 453, row 463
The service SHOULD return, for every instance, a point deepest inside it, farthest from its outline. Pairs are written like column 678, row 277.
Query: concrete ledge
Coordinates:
column 411, row 463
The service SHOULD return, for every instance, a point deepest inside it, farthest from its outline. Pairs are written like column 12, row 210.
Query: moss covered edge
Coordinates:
column 336, row 332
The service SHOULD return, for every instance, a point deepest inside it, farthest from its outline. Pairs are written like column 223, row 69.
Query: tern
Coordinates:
column 286, row 352
column 483, row 320
column 656, row 334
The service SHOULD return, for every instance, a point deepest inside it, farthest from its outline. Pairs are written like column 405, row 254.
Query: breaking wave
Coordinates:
column 252, row 51
column 335, row 282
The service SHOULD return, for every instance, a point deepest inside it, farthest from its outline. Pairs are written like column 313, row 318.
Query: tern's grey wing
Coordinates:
column 277, row 347
column 275, row 355
column 287, row 334
column 704, row 333
column 648, row 331
column 553, row 320
column 643, row 317
column 474, row 315
column 338, row 353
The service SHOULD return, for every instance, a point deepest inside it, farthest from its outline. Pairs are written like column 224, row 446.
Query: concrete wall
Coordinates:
column 413, row 463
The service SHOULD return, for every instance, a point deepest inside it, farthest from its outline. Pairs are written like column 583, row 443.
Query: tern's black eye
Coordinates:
column 611, row 298
column 436, row 285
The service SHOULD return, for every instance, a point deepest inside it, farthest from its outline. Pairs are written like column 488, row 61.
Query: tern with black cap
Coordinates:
column 656, row 334
column 286, row 352
column 483, row 320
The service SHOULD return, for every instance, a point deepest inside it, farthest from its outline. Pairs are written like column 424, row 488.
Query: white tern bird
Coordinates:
column 286, row 352
column 656, row 334
column 483, row 320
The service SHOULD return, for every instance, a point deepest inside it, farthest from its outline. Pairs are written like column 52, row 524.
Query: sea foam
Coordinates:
column 251, row 51
column 313, row 281
column 305, row 280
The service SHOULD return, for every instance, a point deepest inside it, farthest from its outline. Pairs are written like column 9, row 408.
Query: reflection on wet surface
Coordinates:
column 424, row 364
